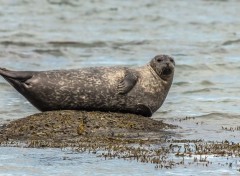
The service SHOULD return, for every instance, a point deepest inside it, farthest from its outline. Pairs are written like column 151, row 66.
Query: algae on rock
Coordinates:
column 70, row 128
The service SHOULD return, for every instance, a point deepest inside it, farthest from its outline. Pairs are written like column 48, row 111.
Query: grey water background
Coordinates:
column 202, row 35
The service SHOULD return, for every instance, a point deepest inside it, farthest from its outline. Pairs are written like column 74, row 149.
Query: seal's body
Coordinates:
column 140, row 90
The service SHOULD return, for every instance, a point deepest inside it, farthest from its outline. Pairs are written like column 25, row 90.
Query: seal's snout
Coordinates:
column 167, row 70
column 168, row 65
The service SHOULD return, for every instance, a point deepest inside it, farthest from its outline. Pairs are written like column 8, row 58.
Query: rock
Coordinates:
column 81, row 128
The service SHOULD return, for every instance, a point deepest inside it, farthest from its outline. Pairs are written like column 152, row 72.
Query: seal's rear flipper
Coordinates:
column 21, row 76
column 16, row 78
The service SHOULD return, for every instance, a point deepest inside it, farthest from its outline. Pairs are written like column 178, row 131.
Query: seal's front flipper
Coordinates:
column 127, row 83
column 144, row 110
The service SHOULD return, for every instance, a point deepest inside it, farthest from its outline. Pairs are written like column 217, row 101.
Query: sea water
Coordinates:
column 203, row 36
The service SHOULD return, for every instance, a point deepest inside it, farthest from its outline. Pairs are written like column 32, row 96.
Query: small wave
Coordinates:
column 179, row 54
column 62, row 2
column 77, row 44
column 219, row 115
column 230, row 42
column 207, row 83
column 98, row 43
column 195, row 23
column 19, row 54
column 194, row 68
column 22, row 34
column 124, row 43
column 227, row 100
column 198, row 91
column 54, row 52
column 16, row 43
column 181, row 83
column 186, row 67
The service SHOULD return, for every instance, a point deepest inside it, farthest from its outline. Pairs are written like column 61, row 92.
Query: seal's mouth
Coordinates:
column 166, row 71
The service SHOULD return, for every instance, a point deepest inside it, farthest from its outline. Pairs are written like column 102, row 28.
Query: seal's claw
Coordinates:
column 144, row 110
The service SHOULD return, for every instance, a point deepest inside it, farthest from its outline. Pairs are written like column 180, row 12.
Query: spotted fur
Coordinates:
column 139, row 90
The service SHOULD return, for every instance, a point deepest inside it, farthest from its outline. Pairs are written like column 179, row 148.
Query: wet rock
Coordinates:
column 74, row 128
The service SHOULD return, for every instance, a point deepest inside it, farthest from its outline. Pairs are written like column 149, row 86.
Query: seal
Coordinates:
column 138, row 90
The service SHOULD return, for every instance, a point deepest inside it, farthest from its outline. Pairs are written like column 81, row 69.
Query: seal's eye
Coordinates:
column 159, row 59
column 171, row 60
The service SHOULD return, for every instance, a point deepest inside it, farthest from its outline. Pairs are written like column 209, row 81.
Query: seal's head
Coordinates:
column 163, row 65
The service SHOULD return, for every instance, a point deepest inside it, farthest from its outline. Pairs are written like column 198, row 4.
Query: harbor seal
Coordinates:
column 140, row 90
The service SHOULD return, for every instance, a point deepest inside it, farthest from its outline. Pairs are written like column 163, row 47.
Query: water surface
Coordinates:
column 203, row 36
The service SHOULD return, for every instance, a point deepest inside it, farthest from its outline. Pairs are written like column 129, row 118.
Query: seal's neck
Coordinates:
column 155, row 75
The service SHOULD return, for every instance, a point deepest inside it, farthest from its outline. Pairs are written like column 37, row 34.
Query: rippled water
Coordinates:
column 203, row 36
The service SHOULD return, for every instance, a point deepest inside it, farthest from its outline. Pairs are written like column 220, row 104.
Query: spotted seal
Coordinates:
column 140, row 90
